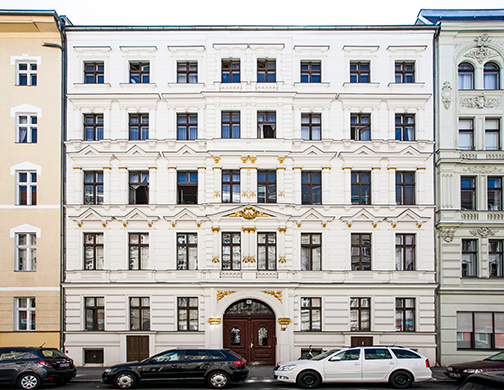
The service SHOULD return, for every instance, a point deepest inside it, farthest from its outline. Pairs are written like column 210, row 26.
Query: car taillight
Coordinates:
column 44, row 363
column 71, row 362
column 239, row 362
column 427, row 363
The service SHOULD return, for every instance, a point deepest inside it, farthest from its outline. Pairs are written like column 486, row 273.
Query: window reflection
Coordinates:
column 262, row 337
column 235, row 336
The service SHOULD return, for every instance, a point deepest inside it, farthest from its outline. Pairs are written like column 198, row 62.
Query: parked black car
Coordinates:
column 29, row 367
column 460, row 371
column 217, row 367
column 492, row 380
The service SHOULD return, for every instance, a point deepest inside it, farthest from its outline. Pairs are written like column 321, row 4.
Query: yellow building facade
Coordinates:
column 30, row 166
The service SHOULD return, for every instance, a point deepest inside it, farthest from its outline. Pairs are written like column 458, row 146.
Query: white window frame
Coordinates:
column 29, row 125
column 29, row 185
column 30, row 312
column 29, row 111
column 30, row 248
column 30, row 71
column 23, row 229
column 26, row 167
column 26, row 59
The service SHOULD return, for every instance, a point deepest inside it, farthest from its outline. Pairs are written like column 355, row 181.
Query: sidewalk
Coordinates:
column 256, row 374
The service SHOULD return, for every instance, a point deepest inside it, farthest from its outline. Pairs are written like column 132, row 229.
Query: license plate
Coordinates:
column 453, row 375
column 64, row 364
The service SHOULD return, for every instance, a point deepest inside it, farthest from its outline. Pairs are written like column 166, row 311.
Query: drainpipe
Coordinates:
column 61, row 27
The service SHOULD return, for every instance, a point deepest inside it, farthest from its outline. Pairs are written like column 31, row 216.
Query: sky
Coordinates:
column 244, row 12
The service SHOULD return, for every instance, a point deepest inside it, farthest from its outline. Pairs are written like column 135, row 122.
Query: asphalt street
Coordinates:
column 253, row 385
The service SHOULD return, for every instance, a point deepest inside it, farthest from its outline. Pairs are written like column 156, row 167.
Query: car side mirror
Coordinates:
column 153, row 361
column 335, row 359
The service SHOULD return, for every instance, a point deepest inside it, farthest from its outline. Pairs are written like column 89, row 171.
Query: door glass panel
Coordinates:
column 262, row 337
column 249, row 306
column 235, row 336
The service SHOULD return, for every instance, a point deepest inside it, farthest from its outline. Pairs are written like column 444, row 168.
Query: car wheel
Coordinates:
column 29, row 381
column 125, row 380
column 308, row 380
column 218, row 380
column 401, row 379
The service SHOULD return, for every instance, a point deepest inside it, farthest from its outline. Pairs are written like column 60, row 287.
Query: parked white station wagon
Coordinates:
column 397, row 365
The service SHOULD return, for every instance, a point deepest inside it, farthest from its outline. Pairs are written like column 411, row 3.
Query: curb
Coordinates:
column 264, row 380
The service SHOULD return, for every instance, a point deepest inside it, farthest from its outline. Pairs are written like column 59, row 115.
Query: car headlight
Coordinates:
column 108, row 370
column 289, row 367
column 472, row 370
column 449, row 369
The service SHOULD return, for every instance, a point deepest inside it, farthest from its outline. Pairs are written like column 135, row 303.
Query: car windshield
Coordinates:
column 498, row 357
column 325, row 354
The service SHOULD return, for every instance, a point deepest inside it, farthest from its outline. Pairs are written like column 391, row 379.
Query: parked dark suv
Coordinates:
column 216, row 367
column 29, row 367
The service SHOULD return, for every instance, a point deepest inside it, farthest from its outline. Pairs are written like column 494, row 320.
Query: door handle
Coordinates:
column 251, row 345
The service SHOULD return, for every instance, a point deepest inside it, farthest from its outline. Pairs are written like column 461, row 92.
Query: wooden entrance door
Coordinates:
column 251, row 336
column 361, row 341
column 137, row 348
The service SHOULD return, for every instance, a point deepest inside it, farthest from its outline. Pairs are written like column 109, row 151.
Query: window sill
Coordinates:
column 310, row 87
column 223, row 87
column 405, row 86
column 359, row 87
column 186, row 87
column 267, row 87
column 140, row 87
column 103, row 87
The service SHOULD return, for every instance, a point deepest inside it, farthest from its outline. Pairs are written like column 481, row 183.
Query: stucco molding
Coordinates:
column 482, row 53
column 481, row 101
column 483, row 169
column 447, row 234
column 483, row 232
column 446, row 95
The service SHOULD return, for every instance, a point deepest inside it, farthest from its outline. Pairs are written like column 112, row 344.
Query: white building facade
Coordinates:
column 258, row 189
column 470, row 169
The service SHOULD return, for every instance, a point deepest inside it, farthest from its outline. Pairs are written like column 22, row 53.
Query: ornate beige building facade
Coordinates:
column 30, row 172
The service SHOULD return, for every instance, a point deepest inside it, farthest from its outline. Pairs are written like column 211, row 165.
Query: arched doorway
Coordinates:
column 249, row 330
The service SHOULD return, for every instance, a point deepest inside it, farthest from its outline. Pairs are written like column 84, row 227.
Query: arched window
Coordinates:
column 465, row 76
column 491, row 76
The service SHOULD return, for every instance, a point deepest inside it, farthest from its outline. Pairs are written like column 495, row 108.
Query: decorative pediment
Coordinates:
column 312, row 215
column 406, row 216
column 136, row 150
column 362, row 151
column 185, row 215
column 89, row 157
column 26, row 166
column 410, row 151
column 91, row 215
column 87, row 152
column 183, row 151
column 25, row 228
column 248, row 212
column 312, row 151
column 361, row 216
column 137, row 215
